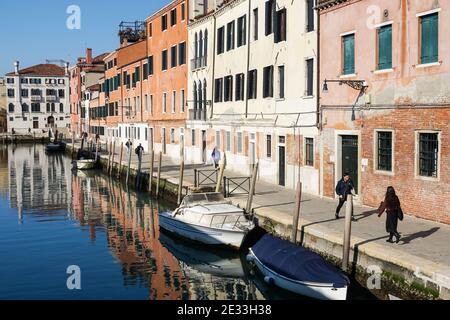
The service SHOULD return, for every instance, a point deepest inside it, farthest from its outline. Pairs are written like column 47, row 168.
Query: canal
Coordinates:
column 52, row 218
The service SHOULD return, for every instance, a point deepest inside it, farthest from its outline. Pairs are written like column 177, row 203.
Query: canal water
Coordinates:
column 52, row 219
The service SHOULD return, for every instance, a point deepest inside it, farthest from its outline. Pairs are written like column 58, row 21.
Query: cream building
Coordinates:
column 258, row 85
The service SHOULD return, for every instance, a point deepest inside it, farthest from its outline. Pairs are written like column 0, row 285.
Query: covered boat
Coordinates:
column 208, row 218
column 298, row 270
column 56, row 147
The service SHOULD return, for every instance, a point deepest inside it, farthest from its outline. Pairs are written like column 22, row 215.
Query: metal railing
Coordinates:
column 198, row 63
column 205, row 178
column 197, row 114
column 236, row 186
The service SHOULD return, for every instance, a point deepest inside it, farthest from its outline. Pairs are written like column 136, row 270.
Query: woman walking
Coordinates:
column 391, row 205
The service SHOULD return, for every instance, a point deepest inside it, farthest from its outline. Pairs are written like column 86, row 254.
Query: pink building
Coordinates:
column 388, row 123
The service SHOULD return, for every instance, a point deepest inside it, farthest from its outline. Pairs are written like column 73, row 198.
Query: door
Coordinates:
column 350, row 158
column 204, row 159
column 282, row 165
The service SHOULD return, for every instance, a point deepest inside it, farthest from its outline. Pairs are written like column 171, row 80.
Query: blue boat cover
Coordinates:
column 296, row 262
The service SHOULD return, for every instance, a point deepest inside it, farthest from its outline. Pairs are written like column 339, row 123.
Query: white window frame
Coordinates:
column 164, row 102
column 304, row 151
column 375, row 153
column 417, row 156
column 174, row 101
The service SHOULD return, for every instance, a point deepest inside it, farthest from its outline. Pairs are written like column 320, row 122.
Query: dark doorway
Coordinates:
column 350, row 158
column 282, row 165
column 204, row 146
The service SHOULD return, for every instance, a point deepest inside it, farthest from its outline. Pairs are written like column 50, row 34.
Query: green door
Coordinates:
column 350, row 158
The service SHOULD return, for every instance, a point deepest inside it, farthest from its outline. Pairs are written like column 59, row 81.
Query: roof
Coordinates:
column 94, row 87
column 100, row 58
column 43, row 70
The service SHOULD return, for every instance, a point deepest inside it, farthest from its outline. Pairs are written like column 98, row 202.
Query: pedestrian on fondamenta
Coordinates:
column 139, row 150
column 129, row 144
column 216, row 157
column 344, row 188
column 391, row 205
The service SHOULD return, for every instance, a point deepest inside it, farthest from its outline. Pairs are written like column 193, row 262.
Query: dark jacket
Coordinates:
column 344, row 188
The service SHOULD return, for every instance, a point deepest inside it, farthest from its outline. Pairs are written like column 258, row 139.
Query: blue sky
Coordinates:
column 34, row 31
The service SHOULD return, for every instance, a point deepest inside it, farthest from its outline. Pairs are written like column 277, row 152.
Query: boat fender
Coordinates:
column 269, row 280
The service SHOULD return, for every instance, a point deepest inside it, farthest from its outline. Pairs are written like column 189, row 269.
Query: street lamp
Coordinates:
column 359, row 85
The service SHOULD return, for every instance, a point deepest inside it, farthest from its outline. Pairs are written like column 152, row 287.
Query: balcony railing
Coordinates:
column 51, row 98
column 198, row 63
column 36, row 98
column 197, row 114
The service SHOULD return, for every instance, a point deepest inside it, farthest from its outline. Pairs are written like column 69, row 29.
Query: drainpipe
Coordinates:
column 319, row 112
column 248, row 54
column 214, row 47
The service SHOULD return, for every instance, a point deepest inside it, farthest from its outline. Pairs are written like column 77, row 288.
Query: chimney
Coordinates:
column 67, row 68
column 89, row 56
column 16, row 67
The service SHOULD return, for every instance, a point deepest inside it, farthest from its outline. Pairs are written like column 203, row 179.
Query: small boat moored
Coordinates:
column 55, row 147
column 297, row 269
column 88, row 164
column 208, row 218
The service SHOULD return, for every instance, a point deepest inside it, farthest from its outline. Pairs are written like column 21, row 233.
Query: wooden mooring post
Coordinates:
column 347, row 232
column 130, row 150
column 109, row 156
column 158, row 181
column 73, row 145
column 297, row 213
column 111, row 170
column 180, row 184
column 152, row 164
column 119, row 171
column 252, row 188
column 221, row 173
column 138, row 177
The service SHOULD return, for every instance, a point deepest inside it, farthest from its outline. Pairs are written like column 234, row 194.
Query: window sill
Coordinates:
column 383, row 71
column 280, row 99
column 427, row 65
column 346, row 76
column 384, row 173
column 429, row 179
column 308, row 97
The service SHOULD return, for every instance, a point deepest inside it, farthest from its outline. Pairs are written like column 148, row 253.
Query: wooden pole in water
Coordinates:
column 73, row 144
column 138, row 177
column 348, row 231
column 252, row 188
column 158, row 181
column 129, row 164
column 109, row 156
column 150, row 180
column 221, row 172
column 96, row 150
column 119, row 173
column 297, row 213
column 111, row 170
column 180, row 184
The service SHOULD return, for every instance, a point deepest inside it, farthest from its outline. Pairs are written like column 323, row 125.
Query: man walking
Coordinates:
column 129, row 144
column 216, row 157
column 344, row 188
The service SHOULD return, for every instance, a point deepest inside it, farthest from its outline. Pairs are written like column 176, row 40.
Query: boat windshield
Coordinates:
column 203, row 199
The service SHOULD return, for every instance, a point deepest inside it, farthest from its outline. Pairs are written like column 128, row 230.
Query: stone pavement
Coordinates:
column 423, row 249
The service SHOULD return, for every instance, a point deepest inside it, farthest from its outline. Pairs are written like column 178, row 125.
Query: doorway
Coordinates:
column 282, row 161
column 204, row 159
column 349, row 159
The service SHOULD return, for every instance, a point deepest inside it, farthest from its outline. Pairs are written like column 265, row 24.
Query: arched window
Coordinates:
column 25, row 107
column 205, row 46
column 200, row 45
column 195, row 96
column 11, row 107
column 200, row 96
column 48, row 107
column 196, row 46
column 204, row 94
column 53, row 107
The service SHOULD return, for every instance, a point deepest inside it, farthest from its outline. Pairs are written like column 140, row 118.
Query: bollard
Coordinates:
column 252, row 188
column 180, row 184
column 225, row 187
column 297, row 213
column 195, row 178
column 152, row 163
column 158, row 181
column 348, row 232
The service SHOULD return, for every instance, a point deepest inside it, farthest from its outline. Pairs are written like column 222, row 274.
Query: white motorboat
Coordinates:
column 85, row 164
column 297, row 270
column 208, row 218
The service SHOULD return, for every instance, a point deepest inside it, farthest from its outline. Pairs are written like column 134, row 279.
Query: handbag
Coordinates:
column 400, row 214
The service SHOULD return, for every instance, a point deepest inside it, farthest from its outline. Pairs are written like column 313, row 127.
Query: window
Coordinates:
column 164, row 60
column 309, row 77
column 151, row 104
column 428, row 154
column 228, row 146
column 270, row 13
column 218, row 139
column 172, row 136
column 182, row 100
column 255, row 24
column 252, row 84
column 280, row 27
column 25, row 108
column 35, row 123
column 221, row 40
column 164, row 102
column 35, row 107
column 183, row 12
column 385, row 47
column 429, row 29
column 384, row 151
column 61, row 108
column 173, row 17
column 150, row 65
column 240, row 81
column 146, row 103
column 268, row 82
column 239, row 142
column 11, row 93
column 144, row 70
column 348, row 45
column 174, row 101
column 182, row 53
column 164, row 22
column 218, row 90
column 24, row 80
column 10, row 80
column 228, row 92
column 242, row 31
column 173, row 56
column 281, row 82
column 230, row 35
column 150, row 30
column 24, row 93
column 310, row 15
column 269, row 146
column 193, row 137
column 138, row 74
column 309, row 152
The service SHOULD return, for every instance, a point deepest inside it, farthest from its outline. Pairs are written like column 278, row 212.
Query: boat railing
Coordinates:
column 224, row 219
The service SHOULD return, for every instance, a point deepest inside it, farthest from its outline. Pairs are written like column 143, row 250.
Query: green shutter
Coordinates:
column 349, row 54
column 429, row 42
column 385, row 47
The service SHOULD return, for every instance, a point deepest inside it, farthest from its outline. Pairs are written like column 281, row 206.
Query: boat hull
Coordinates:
column 85, row 165
column 313, row 290
column 198, row 233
